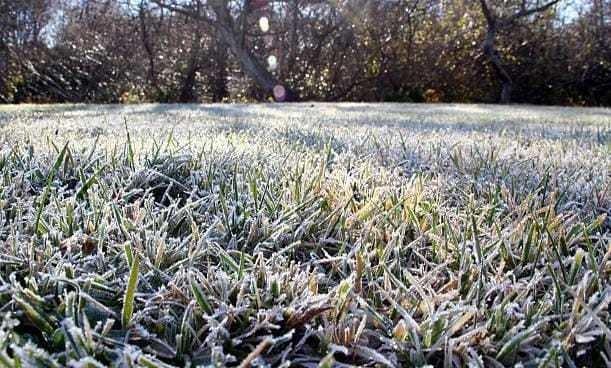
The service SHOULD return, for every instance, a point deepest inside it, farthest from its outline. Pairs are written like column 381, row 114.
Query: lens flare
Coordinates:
column 264, row 24
column 279, row 93
column 272, row 62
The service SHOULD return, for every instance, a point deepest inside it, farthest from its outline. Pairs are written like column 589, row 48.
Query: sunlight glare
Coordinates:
column 272, row 62
column 264, row 24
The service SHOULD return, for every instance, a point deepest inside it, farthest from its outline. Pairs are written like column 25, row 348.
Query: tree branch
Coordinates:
column 524, row 11
column 486, row 10
column 181, row 10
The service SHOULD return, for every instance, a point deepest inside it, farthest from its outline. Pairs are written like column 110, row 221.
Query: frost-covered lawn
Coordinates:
column 305, row 235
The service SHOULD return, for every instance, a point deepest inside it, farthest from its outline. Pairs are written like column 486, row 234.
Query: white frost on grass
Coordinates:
column 396, row 233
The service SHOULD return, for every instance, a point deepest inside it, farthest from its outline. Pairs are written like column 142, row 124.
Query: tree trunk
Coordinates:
column 506, row 89
column 218, row 79
column 187, row 90
column 152, row 73
column 493, row 56
column 293, row 40
column 223, row 24
column 249, row 64
column 494, row 23
column 3, row 72
column 187, row 93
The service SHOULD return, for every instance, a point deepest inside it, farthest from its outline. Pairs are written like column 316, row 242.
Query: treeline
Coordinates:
column 106, row 51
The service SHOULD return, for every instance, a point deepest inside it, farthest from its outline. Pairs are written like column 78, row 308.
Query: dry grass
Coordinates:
column 305, row 235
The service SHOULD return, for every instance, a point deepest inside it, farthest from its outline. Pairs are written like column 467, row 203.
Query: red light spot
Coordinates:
column 279, row 93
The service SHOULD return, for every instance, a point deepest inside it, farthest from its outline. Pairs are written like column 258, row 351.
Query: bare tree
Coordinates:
column 22, row 25
column 496, row 22
column 227, row 19
column 145, row 34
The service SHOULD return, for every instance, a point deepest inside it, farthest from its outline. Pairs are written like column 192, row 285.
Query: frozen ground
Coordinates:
column 305, row 234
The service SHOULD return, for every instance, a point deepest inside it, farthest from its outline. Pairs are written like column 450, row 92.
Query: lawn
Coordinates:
column 305, row 235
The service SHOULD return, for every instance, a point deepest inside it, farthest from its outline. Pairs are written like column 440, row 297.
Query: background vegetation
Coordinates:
column 554, row 52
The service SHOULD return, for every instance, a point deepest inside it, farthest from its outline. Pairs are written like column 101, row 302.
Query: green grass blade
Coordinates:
column 130, row 293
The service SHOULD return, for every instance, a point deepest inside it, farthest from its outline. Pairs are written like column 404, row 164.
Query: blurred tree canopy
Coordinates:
column 108, row 51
